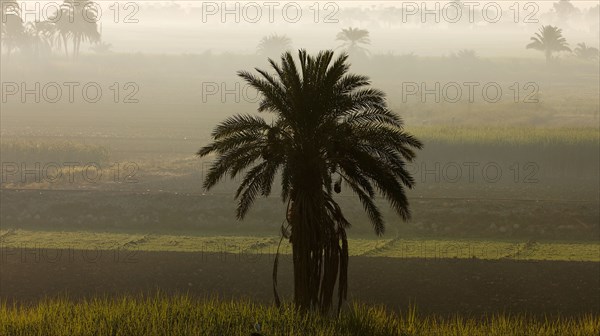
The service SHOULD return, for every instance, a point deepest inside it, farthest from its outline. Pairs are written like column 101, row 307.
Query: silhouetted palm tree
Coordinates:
column 41, row 35
column 353, row 38
column 274, row 45
column 584, row 52
column 76, row 22
column 549, row 40
column 63, row 27
column 86, row 27
column 329, row 128
column 12, row 28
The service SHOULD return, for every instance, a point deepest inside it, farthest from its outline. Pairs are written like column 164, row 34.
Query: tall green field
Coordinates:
column 182, row 315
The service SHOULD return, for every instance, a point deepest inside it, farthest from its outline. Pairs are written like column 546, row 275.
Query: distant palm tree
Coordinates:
column 329, row 127
column 63, row 24
column 77, row 21
column 41, row 37
column 466, row 55
column 584, row 52
column 352, row 39
column 549, row 40
column 274, row 45
column 12, row 28
column 86, row 26
column 12, row 33
column 390, row 16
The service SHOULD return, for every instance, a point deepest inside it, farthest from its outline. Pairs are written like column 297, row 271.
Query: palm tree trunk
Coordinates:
column 317, row 255
column 303, row 252
column 66, row 46
column 78, row 45
column 74, row 47
column 319, row 260
column 305, row 238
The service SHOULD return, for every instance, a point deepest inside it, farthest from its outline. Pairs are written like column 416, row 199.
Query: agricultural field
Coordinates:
column 394, row 248
column 469, row 287
column 518, row 256
column 432, row 178
column 472, row 252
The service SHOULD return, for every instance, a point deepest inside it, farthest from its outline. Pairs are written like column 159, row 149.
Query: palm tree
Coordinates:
column 466, row 55
column 274, row 45
column 85, row 25
column 77, row 21
column 549, row 40
column 12, row 28
column 63, row 26
column 41, row 37
column 352, row 39
column 329, row 127
column 584, row 52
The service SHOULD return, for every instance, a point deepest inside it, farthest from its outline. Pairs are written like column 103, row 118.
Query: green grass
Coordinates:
column 499, row 136
column 182, row 315
column 398, row 248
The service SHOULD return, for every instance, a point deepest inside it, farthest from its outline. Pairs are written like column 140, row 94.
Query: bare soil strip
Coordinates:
column 470, row 287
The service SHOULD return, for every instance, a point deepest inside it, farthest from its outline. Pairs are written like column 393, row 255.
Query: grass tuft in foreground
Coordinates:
column 182, row 315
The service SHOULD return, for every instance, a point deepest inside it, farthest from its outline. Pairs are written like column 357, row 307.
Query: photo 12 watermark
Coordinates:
column 469, row 11
column 470, row 92
column 229, row 92
column 68, row 172
column 488, row 172
column 70, row 92
column 269, row 12
column 75, row 12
